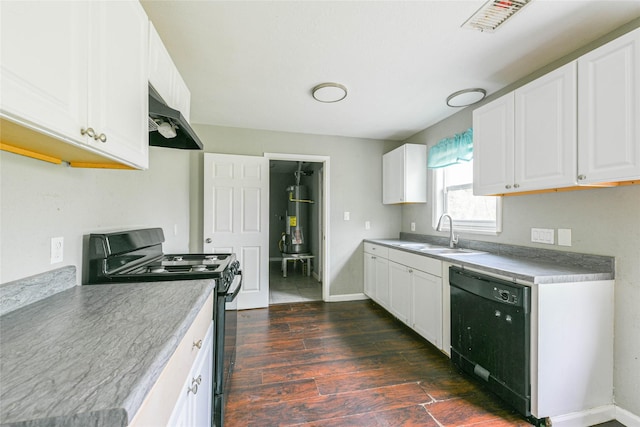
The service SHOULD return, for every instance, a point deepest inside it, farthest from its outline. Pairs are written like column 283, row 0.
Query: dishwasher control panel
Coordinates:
column 505, row 295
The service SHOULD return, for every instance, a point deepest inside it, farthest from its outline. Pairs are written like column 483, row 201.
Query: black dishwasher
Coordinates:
column 490, row 331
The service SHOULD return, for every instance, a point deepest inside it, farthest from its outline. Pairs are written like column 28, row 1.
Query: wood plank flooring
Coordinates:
column 349, row 364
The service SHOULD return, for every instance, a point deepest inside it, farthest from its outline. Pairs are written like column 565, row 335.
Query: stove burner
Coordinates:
column 177, row 258
column 157, row 269
column 199, row 268
column 211, row 257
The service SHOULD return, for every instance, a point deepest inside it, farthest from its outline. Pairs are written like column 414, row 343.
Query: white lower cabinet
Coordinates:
column 182, row 394
column 400, row 278
column 410, row 287
column 193, row 408
column 376, row 274
column 426, row 306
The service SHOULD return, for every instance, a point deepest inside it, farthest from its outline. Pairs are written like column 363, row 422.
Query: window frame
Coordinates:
column 436, row 177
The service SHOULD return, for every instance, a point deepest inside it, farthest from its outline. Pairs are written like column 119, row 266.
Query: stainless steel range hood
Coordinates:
column 168, row 127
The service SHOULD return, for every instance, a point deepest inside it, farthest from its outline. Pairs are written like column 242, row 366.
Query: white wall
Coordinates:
column 41, row 200
column 603, row 221
column 355, row 186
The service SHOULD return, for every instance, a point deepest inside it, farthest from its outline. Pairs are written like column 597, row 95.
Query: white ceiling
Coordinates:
column 253, row 64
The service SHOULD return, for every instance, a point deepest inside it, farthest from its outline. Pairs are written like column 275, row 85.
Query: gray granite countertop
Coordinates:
column 532, row 265
column 90, row 354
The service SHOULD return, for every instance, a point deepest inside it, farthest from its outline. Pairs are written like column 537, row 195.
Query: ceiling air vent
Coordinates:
column 494, row 13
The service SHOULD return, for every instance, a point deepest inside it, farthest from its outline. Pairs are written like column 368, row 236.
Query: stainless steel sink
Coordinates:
column 418, row 246
column 450, row 251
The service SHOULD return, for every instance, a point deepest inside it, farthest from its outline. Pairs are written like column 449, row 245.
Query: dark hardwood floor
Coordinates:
column 349, row 364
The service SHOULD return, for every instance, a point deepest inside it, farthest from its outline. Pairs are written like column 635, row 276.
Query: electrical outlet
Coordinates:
column 564, row 236
column 542, row 235
column 413, row 226
column 347, row 216
column 57, row 249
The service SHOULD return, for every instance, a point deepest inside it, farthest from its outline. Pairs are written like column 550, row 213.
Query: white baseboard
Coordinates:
column 627, row 418
column 347, row 297
column 586, row 418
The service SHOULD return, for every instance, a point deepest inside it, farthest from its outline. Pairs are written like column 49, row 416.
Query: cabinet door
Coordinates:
column 118, row 87
column 370, row 275
column 44, row 66
column 609, row 111
column 400, row 291
column 393, row 177
column 193, row 407
column 545, row 131
column 426, row 303
column 493, row 169
column 382, row 282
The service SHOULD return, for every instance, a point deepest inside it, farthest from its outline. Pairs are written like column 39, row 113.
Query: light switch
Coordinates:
column 367, row 225
column 347, row 216
column 413, row 226
column 542, row 235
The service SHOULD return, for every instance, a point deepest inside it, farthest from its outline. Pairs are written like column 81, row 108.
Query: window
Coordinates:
column 453, row 194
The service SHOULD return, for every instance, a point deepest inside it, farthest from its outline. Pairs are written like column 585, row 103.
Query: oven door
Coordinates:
column 225, row 350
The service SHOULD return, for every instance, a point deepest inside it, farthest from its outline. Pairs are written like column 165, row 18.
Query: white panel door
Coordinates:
column 426, row 303
column 236, row 219
column 400, row 291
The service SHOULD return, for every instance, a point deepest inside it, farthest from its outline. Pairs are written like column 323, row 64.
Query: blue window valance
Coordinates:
column 452, row 150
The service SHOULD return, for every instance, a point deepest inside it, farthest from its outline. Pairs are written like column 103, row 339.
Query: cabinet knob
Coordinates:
column 197, row 344
column 508, row 186
column 582, row 177
column 374, row 257
column 410, row 271
column 102, row 137
column 195, row 382
column 208, row 240
column 516, row 185
column 89, row 132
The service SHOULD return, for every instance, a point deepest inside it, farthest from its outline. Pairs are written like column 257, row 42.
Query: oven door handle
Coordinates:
column 232, row 295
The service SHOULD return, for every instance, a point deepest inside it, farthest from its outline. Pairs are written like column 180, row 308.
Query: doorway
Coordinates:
column 297, row 228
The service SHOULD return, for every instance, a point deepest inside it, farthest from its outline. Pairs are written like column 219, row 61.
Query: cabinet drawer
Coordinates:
column 419, row 262
column 158, row 405
column 374, row 249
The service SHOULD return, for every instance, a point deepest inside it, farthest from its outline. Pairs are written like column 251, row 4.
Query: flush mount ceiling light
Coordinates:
column 465, row 97
column 329, row 92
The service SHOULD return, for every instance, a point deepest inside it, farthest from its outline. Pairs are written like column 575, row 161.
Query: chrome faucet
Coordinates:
column 453, row 239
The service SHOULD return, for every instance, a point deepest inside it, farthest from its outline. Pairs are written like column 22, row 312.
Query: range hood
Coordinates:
column 168, row 127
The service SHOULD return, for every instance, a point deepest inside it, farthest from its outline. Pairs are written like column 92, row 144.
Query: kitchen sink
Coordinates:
column 450, row 251
column 418, row 246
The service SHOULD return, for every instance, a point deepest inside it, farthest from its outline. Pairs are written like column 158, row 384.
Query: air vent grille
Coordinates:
column 493, row 14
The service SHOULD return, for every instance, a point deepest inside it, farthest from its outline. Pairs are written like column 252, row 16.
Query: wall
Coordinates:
column 41, row 200
column 603, row 221
column 355, row 185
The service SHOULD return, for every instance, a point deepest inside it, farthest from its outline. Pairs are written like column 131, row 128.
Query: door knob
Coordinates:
column 208, row 240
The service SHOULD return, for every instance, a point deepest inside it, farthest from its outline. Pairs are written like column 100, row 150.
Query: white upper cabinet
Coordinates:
column 44, row 67
column 73, row 88
column 526, row 139
column 164, row 76
column 493, row 146
column 545, row 131
column 609, row 111
column 118, row 91
column 404, row 175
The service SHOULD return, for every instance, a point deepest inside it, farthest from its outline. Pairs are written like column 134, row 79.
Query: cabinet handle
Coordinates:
column 410, row 271
column 195, row 382
column 582, row 177
column 374, row 257
column 197, row 344
column 102, row 137
column 88, row 131
column 516, row 185
column 508, row 186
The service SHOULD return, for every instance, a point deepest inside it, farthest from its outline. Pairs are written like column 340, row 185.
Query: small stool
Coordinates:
column 297, row 257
